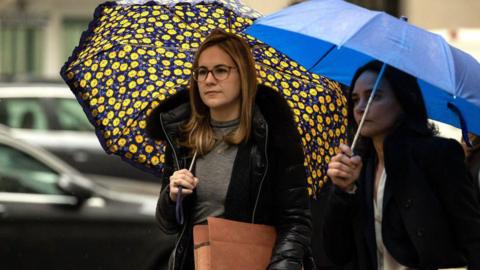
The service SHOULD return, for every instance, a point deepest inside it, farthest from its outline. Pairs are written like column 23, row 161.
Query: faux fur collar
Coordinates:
column 272, row 106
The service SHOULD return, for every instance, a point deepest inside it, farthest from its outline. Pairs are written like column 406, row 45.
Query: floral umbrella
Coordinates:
column 135, row 55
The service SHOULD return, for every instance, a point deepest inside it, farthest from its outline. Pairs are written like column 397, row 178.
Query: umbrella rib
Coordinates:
column 361, row 27
column 229, row 20
column 322, row 57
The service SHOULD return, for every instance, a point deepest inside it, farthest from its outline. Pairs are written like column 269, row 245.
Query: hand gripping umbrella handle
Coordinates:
column 178, row 204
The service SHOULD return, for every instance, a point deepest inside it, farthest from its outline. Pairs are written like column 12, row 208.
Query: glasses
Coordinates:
column 220, row 73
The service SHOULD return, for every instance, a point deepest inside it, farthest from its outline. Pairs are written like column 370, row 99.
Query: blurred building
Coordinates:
column 37, row 36
column 390, row 6
column 267, row 6
column 433, row 14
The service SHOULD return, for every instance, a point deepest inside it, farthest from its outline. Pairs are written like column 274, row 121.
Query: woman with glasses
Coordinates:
column 249, row 164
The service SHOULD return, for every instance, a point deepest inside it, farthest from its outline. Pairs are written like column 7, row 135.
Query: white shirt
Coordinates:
column 384, row 259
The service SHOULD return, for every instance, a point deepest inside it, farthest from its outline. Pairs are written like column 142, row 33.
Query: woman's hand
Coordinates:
column 182, row 178
column 344, row 168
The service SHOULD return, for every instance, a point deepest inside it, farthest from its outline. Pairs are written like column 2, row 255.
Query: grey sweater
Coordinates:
column 213, row 171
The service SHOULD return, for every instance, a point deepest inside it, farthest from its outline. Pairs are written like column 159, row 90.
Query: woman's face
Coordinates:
column 221, row 96
column 384, row 109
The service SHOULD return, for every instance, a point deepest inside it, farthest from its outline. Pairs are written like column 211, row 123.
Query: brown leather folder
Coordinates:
column 230, row 245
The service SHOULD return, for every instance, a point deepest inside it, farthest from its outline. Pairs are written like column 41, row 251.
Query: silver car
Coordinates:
column 48, row 115
column 53, row 217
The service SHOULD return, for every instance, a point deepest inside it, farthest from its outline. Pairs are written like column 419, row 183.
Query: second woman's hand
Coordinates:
column 344, row 168
column 182, row 178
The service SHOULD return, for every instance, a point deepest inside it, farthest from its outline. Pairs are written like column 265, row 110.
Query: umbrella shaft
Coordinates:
column 370, row 99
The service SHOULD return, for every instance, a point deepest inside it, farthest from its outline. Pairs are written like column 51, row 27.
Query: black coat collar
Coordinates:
column 270, row 108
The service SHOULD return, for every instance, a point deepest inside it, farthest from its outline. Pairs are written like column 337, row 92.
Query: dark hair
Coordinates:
column 407, row 93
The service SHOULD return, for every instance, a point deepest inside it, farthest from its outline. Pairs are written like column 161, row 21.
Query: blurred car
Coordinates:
column 53, row 217
column 48, row 115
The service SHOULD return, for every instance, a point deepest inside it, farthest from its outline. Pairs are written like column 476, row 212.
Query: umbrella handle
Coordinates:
column 179, row 207
column 179, row 216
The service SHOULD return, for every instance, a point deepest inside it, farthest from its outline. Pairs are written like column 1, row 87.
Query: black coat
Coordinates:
column 473, row 164
column 268, row 183
column 431, row 215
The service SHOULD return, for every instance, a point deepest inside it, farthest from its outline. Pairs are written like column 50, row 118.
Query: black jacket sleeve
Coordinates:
column 338, row 233
column 165, row 212
column 458, row 195
column 292, row 217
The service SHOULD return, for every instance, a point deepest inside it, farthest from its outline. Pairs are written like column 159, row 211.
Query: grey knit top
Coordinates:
column 213, row 171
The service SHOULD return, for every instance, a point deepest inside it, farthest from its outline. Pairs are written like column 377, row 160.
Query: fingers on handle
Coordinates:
column 183, row 172
column 184, row 191
column 346, row 149
column 340, row 175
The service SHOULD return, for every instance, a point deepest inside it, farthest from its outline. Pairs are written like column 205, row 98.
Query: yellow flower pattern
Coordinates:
column 132, row 57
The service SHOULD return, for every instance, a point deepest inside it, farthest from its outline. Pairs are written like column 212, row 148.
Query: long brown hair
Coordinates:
column 198, row 133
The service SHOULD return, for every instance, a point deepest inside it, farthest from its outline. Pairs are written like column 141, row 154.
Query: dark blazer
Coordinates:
column 268, row 183
column 431, row 215
column 473, row 163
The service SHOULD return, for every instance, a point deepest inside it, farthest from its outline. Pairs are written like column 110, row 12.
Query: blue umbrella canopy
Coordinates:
column 334, row 38
column 135, row 55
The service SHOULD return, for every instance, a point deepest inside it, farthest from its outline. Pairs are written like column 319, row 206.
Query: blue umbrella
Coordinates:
column 334, row 38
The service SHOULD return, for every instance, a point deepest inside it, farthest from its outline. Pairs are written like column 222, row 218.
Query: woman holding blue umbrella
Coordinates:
column 250, row 158
column 404, row 199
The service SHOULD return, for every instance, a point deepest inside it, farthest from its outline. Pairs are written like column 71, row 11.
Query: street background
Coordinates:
column 36, row 37
column 68, row 215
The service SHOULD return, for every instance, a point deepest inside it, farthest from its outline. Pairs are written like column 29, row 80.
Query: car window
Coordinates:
column 23, row 113
column 71, row 116
column 21, row 173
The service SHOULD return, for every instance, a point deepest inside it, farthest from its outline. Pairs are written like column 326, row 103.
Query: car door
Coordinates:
column 44, row 227
column 60, row 126
column 76, row 143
